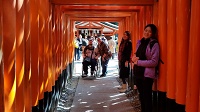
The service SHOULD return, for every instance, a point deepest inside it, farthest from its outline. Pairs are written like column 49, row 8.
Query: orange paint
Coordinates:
column 155, row 21
column 148, row 14
column 34, row 33
column 162, row 28
column 141, row 22
column 9, row 47
column 1, row 59
column 171, row 51
column 27, row 72
column 192, row 99
column 182, row 44
column 20, row 106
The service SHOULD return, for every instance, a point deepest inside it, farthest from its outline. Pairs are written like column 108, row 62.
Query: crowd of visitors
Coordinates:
column 93, row 48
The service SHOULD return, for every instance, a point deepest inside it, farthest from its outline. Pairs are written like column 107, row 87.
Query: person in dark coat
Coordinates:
column 124, row 54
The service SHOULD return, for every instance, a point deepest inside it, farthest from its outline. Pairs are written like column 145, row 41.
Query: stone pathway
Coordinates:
column 97, row 95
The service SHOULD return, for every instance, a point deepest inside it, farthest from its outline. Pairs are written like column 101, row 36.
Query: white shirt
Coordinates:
column 112, row 45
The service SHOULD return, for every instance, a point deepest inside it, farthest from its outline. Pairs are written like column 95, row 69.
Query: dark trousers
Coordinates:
column 123, row 71
column 75, row 54
column 93, row 63
column 113, row 55
column 78, row 53
column 104, row 65
column 144, row 86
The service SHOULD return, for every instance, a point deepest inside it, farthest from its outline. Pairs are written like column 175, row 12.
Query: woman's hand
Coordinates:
column 135, row 59
column 126, row 64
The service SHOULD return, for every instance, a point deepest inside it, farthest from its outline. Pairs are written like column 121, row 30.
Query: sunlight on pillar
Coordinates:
column 21, row 75
column 41, row 88
column 49, row 18
column 29, row 77
column 49, row 80
column 12, row 94
column 21, row 37
column 46, row 84
column 12, row 61
column 54, row 27
column 43, row 26
column 14, row 3
column 28, row 35
column 1, row 54
column 20, row 4
column 36, row 101
column 38, row 17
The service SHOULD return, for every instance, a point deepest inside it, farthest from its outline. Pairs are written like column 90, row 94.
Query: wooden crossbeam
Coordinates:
column 103, row 2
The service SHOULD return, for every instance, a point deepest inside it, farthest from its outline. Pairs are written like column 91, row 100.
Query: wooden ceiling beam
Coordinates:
column 99, row 19
column 98, row 14
column 103, row 2
column 99, row 8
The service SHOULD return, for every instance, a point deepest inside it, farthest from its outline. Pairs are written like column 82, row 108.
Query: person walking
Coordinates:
column 76, row 48
column 79, row 49
column 124, row 54
column 104, row 39
column 84, row 42
column 112, row 46
column 145, row 62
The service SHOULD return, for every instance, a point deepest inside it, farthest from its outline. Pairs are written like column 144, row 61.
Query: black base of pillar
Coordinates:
column 35, row 109
column 161, row 101
column 46, row 101
column 180, row 108
column 50, row 102
column 155, row 101
column 171, row 105
column 41, row 105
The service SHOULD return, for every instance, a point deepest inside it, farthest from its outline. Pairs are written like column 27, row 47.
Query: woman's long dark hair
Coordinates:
column 154, row 30
column 128, row 34
column 129, row 37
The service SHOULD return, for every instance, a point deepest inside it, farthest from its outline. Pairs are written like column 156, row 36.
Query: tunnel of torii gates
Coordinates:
column 36, row 47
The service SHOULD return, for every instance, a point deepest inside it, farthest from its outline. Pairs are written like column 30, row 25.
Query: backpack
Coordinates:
column 159, row 61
